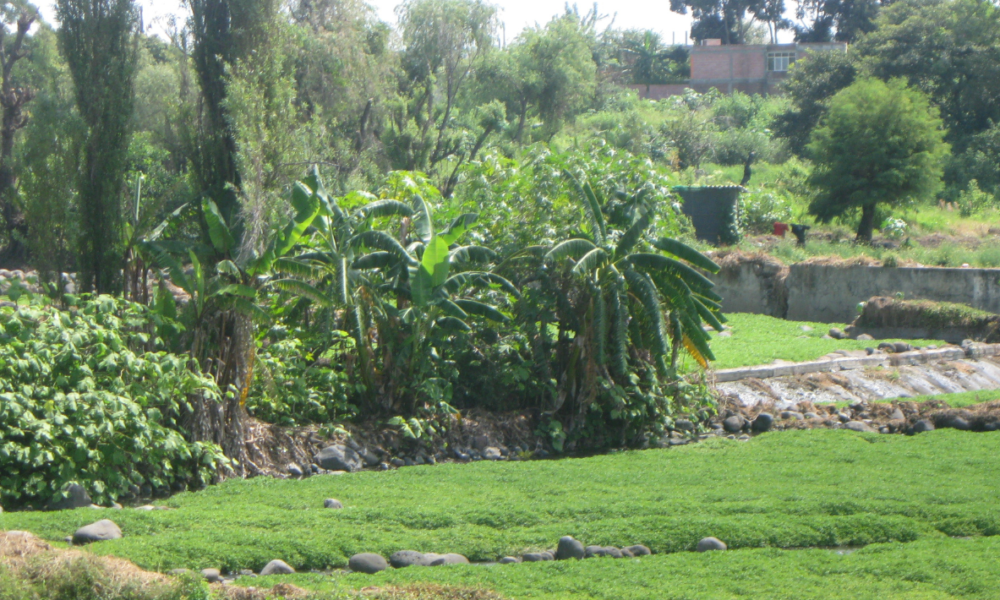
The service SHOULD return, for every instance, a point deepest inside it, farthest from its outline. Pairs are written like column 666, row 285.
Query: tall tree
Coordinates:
column 99, row 41
column 839, row 20
column 13, row 98
column 879, row 143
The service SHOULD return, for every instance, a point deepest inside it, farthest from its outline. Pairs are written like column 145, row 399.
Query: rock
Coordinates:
column 805, row 328
column 367, row 562
column 97, row 532
column 534, row 557
column 569, row 548
column 406, row 558
column 114, row 506
column 508, row 560
column 407, row 461
column 180, row 572
column 954, row 422
column 626, row 553
column 276, row 567
column 792, row 414
column 370, row 458
column 592, row 551
column 811, row 415
column 481, row 442
column 332, row 503
column 897, row 415
column 76, row 497
column 902, row 347
column 294, row 470
column 864, row 337
column 338, row 458
column 684, row 425
column 639, row 550
column 762, row 423
column 733, row 424
column 710, row 543
column 887, row 346
column 837, row 334
column 398, row 462
column 247, row 573
column 491, row 453
column 858, row 426
column 211, row 575
column 993, row 426
column 450, row 559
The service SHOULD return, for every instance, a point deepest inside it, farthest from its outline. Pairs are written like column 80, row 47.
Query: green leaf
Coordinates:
column 301, row 288
column 590, row 261
column 422, row 222
column 464, row 254
column 685, row 252
column 458, row 227
column 630, row 237
column 479, row 309
column 218, row 231
column 386, row 208
column 435, row 261
column 573, row 248
column 659, row 262
column 452, row 324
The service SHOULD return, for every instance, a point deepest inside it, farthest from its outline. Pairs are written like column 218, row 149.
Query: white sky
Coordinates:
column 516, row 14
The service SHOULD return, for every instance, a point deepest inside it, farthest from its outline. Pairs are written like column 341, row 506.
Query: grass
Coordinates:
column 956, row 400
column 759, row 340
column 788, row 489
column 926, row 569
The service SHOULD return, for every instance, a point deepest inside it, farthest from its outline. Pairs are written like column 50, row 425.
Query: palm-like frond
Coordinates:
column 573, row 248
column 687, row 253
column 301, row 288
column 658, row 262
column 590, row 261
column 479, row 309
column 632, row 236
column 386, row 208
column 380, row 240
column 477, row 254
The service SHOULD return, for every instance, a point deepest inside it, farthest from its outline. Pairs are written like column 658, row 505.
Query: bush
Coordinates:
column 87, row 395
column 760, row 209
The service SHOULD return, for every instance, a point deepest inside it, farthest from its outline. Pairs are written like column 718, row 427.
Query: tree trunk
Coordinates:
column 867, row 224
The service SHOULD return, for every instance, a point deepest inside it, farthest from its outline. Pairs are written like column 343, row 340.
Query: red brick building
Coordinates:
column 752, row 69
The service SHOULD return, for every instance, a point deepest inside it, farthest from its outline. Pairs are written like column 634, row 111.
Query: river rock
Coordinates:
column 858, row 426
column 508, row 560
column 211, row 575
column 594, row 551
column 77, row 497
column 277, row 567
column 710, row 543
column 294, row 470
column 367, row 562
column 762, row 423
column 450, row 559
column 338, row 458
column 733, row 424
column 536, row 557
column 639, row 550
column 569, row 548
column 406, row 558
column 100, row 531
column 332, row 503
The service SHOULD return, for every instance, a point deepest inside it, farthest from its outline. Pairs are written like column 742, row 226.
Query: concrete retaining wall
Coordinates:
column 830, row 294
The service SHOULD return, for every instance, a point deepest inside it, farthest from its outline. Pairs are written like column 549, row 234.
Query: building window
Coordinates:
column 779, row 61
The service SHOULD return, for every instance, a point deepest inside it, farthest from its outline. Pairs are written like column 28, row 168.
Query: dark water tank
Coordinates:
column 713, row 211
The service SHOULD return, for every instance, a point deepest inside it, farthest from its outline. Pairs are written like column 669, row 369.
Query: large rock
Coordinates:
column 508, row 560
column 858, row 426
column 762, row 423
column 449, row 559
column 923, row 425
column 332, row 503
column 338, row 458
column 211, row 575
column 367, row 562
column 569, row 548
column 492, row 453
column 710, row 543
column 406, row 558
column 592, row 551
column 639, row 550
column 76, row 497
column 97, row 532
column 954, row 422
column 277, row 567
column 733, row 424
column 536, row 557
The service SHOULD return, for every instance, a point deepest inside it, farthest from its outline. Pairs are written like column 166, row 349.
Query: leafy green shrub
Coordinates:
column 292, row 386
column 973, row 200
column 88, row 396
column 759, row 209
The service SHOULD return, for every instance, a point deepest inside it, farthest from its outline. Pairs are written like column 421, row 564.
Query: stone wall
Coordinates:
column 831, row 293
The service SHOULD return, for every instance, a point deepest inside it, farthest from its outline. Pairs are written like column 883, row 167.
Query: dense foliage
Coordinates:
column 90, row 396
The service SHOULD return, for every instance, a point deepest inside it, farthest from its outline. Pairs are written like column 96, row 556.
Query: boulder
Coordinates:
column 508, row 560
column 492, row 453
column 897, row 415
column 97, row 532
column 762, row 423
column 954, row 422
column 837, row 334
column 211, row 575
column 733, row 424
column 338, row 458
column 332, row 503
column 277, row 567
column 450, row 559
column 569, row 548
column 626, row 553
column 367, row 562
column 370, row 458
column 710, row 543
column 76, row 497
column 592, row 551
column 858, row 426
column 406, row 558
column 534, row 557
column 294, row 470
column 792, row 414
column 684, row 425
column 639, row 550
column 864, row 337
